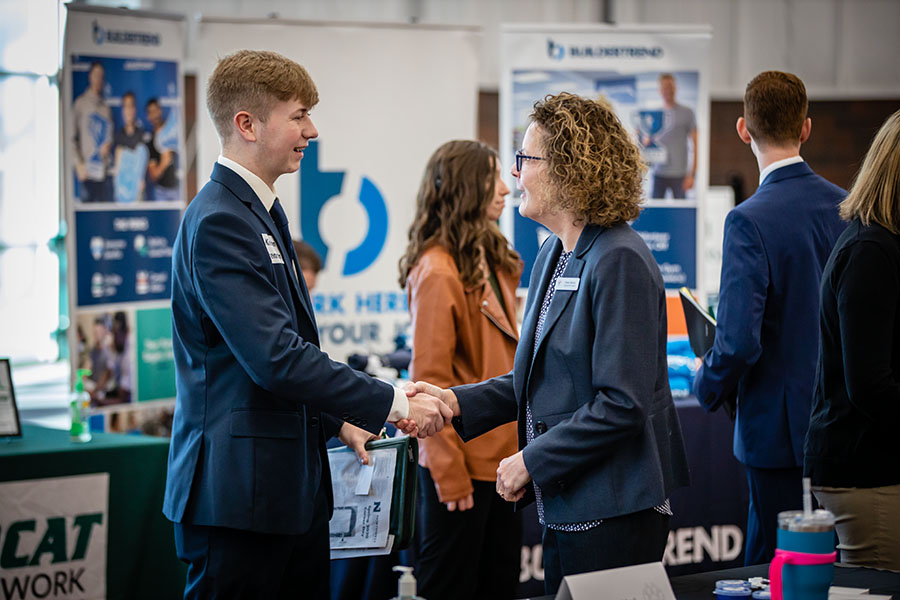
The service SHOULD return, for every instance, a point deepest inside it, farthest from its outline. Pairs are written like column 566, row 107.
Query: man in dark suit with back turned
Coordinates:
column 776, row 245
column 248, row 485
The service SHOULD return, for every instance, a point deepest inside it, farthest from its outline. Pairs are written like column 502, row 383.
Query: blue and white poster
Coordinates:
column 353, row 198
column 655, row 78
column 123, row 174
column 124, row 256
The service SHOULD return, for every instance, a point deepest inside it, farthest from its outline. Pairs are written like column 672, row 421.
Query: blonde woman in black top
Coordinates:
column 852, row 455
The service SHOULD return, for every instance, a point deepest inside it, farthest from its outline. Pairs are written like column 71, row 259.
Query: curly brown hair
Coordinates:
column 592, row 160
column 451, row 210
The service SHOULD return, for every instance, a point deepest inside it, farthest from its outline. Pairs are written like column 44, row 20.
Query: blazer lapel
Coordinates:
column 542, row 271
column 561, row 299
column 245, row 193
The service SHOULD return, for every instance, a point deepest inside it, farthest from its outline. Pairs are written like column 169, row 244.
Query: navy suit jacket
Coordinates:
column 775, row 248
column 254, row 390
column 607, row 437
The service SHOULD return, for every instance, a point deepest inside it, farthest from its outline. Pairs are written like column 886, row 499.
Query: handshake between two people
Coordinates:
column 430, row 409
column 512, row 474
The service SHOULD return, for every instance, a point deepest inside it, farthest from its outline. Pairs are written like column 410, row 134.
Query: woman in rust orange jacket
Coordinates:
column 461, row 276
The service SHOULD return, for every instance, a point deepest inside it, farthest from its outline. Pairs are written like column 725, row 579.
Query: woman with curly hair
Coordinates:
column 461, row 278
column 601, row 443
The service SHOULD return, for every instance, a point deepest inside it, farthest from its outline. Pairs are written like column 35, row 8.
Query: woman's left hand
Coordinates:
column 512, row 476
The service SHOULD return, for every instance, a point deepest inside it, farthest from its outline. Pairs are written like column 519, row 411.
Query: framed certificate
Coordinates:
column 9, row 414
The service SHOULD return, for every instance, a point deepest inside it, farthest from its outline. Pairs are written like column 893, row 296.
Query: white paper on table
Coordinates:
column 361, row 521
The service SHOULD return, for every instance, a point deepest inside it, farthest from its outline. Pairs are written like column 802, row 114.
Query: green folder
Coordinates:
column 403, row 499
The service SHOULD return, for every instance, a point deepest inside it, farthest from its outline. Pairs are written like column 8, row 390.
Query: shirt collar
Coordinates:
column 265, row 194
column 777, row 165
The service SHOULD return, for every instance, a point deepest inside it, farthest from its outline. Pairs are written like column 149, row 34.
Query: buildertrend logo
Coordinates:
column 557, row 51
column 113, row 36
column 317, row 188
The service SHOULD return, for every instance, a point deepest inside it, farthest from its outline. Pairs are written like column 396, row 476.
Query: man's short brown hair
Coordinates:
column 254, row 80
column 775, row 108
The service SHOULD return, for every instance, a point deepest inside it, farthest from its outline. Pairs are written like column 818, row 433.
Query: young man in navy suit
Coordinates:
column 248, row 484
column 775, row 248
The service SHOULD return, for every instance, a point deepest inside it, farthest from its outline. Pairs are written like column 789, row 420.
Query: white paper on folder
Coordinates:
column 361, row 521
column 357, row 552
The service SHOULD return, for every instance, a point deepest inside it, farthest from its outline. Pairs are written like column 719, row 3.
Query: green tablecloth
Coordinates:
column 141, row 560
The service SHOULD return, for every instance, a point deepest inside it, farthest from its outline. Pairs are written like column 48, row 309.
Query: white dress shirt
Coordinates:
column 777, row 165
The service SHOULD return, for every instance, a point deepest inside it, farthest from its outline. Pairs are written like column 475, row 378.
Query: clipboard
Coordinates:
column 405, row 486
column 701, row 326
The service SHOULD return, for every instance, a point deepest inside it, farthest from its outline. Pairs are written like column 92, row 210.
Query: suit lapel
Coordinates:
column 541, row 273
column 561, row 299
column 245, row 193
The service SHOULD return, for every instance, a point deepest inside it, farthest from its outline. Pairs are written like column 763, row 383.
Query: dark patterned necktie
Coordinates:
column 281, row 223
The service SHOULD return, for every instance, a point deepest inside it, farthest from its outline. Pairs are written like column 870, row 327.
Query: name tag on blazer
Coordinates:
column 272, row 247
column 567, row 284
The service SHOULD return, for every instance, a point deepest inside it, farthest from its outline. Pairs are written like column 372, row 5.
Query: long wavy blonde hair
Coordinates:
column 451, row 211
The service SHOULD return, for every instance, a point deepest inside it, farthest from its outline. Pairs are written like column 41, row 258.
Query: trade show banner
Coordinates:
column 124, row 193
column 54, row 537
column 389, row 95
column 656, row 79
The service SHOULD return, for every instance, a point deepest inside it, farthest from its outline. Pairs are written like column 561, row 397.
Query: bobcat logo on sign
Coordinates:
column 53, row 533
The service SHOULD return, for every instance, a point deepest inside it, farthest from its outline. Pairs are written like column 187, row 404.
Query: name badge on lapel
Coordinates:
column 567, row 284
column 272, row 247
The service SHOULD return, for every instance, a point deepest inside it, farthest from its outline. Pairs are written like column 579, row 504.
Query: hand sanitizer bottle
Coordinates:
column 80, row 430
column 406, row 587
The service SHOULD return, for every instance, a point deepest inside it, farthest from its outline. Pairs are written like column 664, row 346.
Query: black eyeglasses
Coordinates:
column 521, row 156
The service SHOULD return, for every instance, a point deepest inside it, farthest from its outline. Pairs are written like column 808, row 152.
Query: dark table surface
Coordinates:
column 700, row 586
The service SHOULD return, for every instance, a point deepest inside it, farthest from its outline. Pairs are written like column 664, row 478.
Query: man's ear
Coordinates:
column 245, row 125
column 805, row 130
column 742, row 131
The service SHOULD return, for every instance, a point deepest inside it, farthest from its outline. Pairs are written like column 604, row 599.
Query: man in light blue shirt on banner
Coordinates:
column 675, row 174
column 775, row 248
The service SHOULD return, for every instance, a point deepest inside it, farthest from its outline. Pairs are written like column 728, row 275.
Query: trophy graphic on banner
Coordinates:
column 649, row 123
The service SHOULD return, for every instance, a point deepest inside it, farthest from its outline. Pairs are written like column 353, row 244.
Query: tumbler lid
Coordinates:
column 797, row 520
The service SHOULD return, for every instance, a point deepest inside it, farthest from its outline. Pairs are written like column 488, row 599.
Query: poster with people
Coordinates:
column 656, row 81
column 124, row 140
column 124, row 192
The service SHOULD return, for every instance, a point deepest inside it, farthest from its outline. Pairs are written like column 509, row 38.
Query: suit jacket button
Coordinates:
column 540, row 427
column 345, row 416
column 314, row 421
